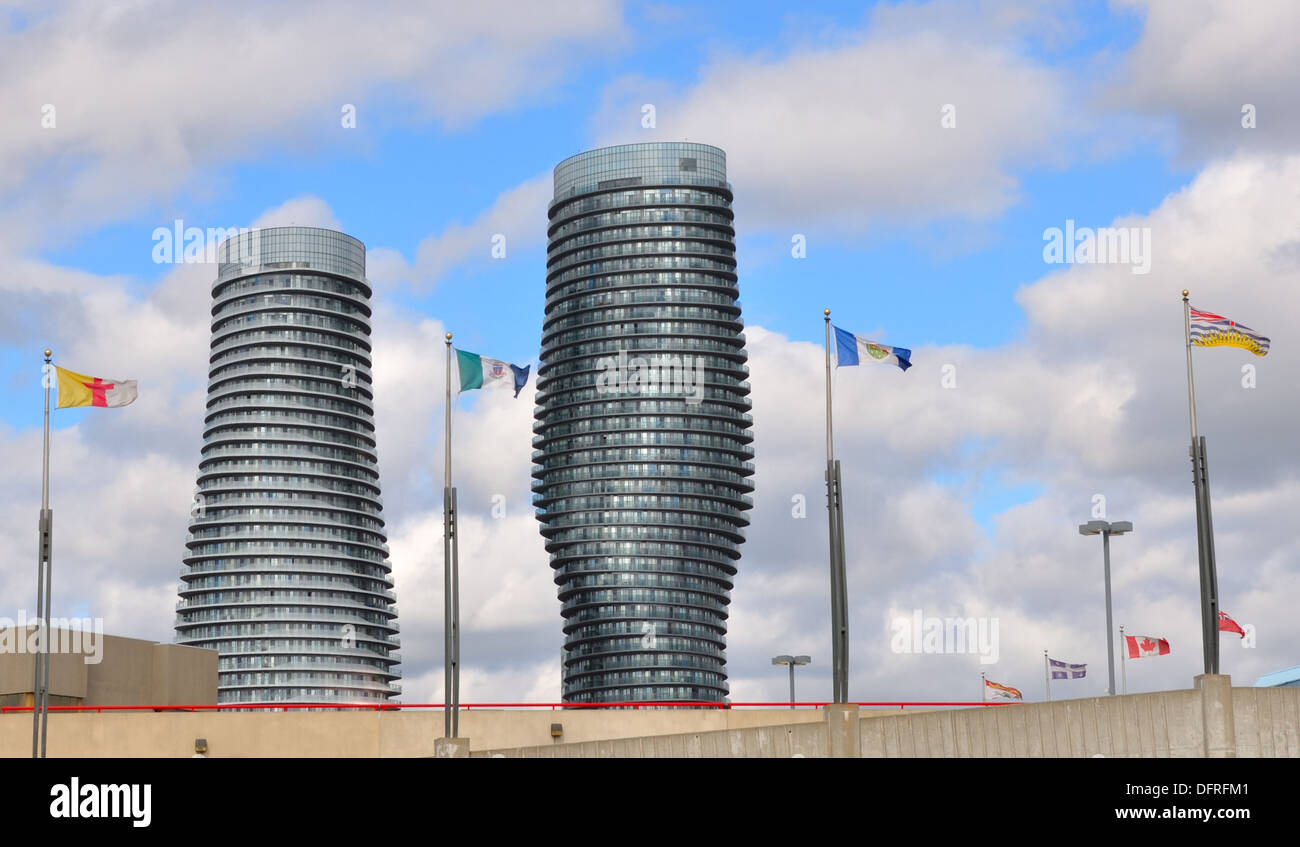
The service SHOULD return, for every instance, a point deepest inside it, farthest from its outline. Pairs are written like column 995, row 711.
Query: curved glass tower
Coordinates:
column 642, row 426
column 287, row 573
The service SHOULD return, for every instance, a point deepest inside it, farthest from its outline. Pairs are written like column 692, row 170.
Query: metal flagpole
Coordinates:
column 1110, row 631
column 984, row 688
column 830, row 512
column 49, row 633
column 44, row 548
column 841, row 572
column 1047, row 676
column 455, row 616
column 1123, row 659
column 449, row 656
column 1211, row 565
column 1204, row 541
column 839, row 606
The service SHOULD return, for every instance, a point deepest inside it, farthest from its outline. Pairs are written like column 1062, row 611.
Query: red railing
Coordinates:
column 468, row 707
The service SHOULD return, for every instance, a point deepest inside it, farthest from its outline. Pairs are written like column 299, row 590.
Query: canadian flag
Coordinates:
column 1145, row 645
column 1227, row 624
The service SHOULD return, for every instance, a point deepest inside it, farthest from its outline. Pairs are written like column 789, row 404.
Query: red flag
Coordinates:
column 1145, row 645
column 1227, row 624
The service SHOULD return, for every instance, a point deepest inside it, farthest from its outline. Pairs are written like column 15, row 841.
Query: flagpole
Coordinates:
column 835, row 521
column 1204, row 538
column 1211, row 566
column 40, row 661
column 455, row 616
column 448, row 624
column 830, row 441
column 1047, row 677
column 984, row 697
column 1123, row 659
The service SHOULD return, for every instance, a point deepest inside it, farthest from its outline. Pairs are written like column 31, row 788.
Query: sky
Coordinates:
column 903, row 164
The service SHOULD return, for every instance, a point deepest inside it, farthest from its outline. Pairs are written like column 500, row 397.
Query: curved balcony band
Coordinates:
column 641, row 488
column 287, row 572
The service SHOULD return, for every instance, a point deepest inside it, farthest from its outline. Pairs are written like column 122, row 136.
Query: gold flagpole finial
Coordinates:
column 48, row 353
column 449, row 338
column 1184, row 293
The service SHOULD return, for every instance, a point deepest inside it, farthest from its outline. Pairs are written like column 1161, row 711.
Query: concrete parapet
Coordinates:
column 843, row 736
column 1217, row 716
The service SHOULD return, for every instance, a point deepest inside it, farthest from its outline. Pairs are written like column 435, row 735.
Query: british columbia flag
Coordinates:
column 1210, row 330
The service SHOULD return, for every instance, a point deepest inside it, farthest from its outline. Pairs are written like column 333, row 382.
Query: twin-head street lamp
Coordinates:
column 791, row 661
column 1106, row 529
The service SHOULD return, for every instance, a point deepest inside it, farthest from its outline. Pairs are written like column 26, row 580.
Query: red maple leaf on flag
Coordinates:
column 1140, row 646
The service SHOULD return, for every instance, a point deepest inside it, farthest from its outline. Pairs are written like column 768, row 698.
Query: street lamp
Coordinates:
column 1106, row 529
column 791, row 661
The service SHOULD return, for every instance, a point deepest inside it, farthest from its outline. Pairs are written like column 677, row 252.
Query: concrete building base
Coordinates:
column 843, row 738
column 1216, row 715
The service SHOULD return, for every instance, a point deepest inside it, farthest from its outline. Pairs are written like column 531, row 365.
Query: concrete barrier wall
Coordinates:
column 807, row 740
column 1267, row 722
column 1212, row 719
column 1162, row 724
column 366, row 734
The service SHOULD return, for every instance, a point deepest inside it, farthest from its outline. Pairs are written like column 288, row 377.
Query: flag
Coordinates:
column 1145, row 645
column 1064, row 670
column 1211, row 330
column 1001, row 692
column 80, row 390
column 850, row 349
column 1227, row 624
column 479, row 371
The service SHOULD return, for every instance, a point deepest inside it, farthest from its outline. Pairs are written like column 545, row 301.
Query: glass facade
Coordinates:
column 642, row 434
column 287, row 572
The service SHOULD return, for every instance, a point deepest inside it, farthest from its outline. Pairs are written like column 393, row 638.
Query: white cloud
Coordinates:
column 145, row 97
column 846, row 133
column 1199, row 62
column 307, row 210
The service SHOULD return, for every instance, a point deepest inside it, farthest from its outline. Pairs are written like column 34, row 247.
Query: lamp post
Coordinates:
column 1106, row 529
column 792, row 661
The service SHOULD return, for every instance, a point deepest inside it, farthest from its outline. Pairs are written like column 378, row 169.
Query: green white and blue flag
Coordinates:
column 479, row 372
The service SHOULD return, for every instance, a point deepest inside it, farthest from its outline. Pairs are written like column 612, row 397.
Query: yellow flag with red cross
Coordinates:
column 80, row 390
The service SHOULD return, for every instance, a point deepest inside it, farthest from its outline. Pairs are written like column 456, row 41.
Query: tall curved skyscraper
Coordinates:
column 642, row 425
column 287, row 573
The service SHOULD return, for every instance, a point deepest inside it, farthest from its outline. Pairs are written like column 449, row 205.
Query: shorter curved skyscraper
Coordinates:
column 287, row 573
column 642, row 424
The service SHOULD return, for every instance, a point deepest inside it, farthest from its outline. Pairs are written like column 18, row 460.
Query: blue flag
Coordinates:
column 851, row 349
